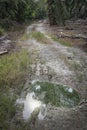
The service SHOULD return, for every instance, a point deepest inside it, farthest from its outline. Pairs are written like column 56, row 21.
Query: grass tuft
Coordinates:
column 56, row 94
column 61, row 41
column 13, row 67
column 40, row 37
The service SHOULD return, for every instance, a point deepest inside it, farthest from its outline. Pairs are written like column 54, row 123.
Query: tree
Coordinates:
column 57, row 11
column 51, row 11
column 61, row 10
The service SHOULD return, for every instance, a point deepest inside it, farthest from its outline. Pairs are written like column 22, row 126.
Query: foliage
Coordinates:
column 60, row 10
column 21, row 10
column 13, row 67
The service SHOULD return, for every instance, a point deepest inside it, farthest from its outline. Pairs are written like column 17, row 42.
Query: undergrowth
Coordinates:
column 12, row 67
column 13, row 71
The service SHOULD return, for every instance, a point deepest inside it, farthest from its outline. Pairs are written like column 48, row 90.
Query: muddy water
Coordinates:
column 53, row 100
column 56, row 94
column 43, row 93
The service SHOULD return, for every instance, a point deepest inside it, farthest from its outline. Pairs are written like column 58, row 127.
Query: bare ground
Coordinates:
column 63, row 65
column 60, row 64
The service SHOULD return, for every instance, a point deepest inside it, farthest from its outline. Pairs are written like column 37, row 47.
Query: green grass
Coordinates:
column 62, row 42
column 14, row 68
column 40, row 37
column 58, row 95
column 7, row 111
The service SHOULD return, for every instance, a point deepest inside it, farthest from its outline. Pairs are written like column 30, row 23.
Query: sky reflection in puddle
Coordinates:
column 31, row 104
column 42, row 93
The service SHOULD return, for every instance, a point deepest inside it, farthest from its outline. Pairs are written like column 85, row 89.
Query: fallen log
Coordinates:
column 79, row 36
column 3, row 52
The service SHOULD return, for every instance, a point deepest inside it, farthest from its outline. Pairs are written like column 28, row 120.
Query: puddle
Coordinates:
column 30, row 105
column 57, row 95
column 42, row 93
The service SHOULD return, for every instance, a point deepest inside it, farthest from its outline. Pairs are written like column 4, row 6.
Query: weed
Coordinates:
column 12, row 67
column 40, row 37
column 13, row 70
column 7, row 111
column 61, row 41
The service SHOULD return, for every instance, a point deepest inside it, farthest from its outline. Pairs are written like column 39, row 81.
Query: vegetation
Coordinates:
column 13, row 70
column 61, row 41
column 61, row 10
column 39, row 36
column 58, row 10
column 7, row 111
column 12, row 67
column 57, row 95
column 21, row 9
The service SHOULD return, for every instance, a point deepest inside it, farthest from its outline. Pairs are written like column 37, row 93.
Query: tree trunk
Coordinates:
column 51, row 11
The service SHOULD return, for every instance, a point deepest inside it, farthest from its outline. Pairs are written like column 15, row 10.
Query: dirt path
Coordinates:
column 63, row 65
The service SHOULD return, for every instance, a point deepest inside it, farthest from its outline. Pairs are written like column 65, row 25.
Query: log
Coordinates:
column 3, row 52
column 79, row 36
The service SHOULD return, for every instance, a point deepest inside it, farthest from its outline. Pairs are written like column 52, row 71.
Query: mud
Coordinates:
column 63, row 65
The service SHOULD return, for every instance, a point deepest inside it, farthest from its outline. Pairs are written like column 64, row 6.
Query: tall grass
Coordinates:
column 13, row 67
column 13, row 70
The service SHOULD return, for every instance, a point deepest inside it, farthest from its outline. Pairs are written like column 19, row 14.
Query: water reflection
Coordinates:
column 30, row 105
column 42, row 93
